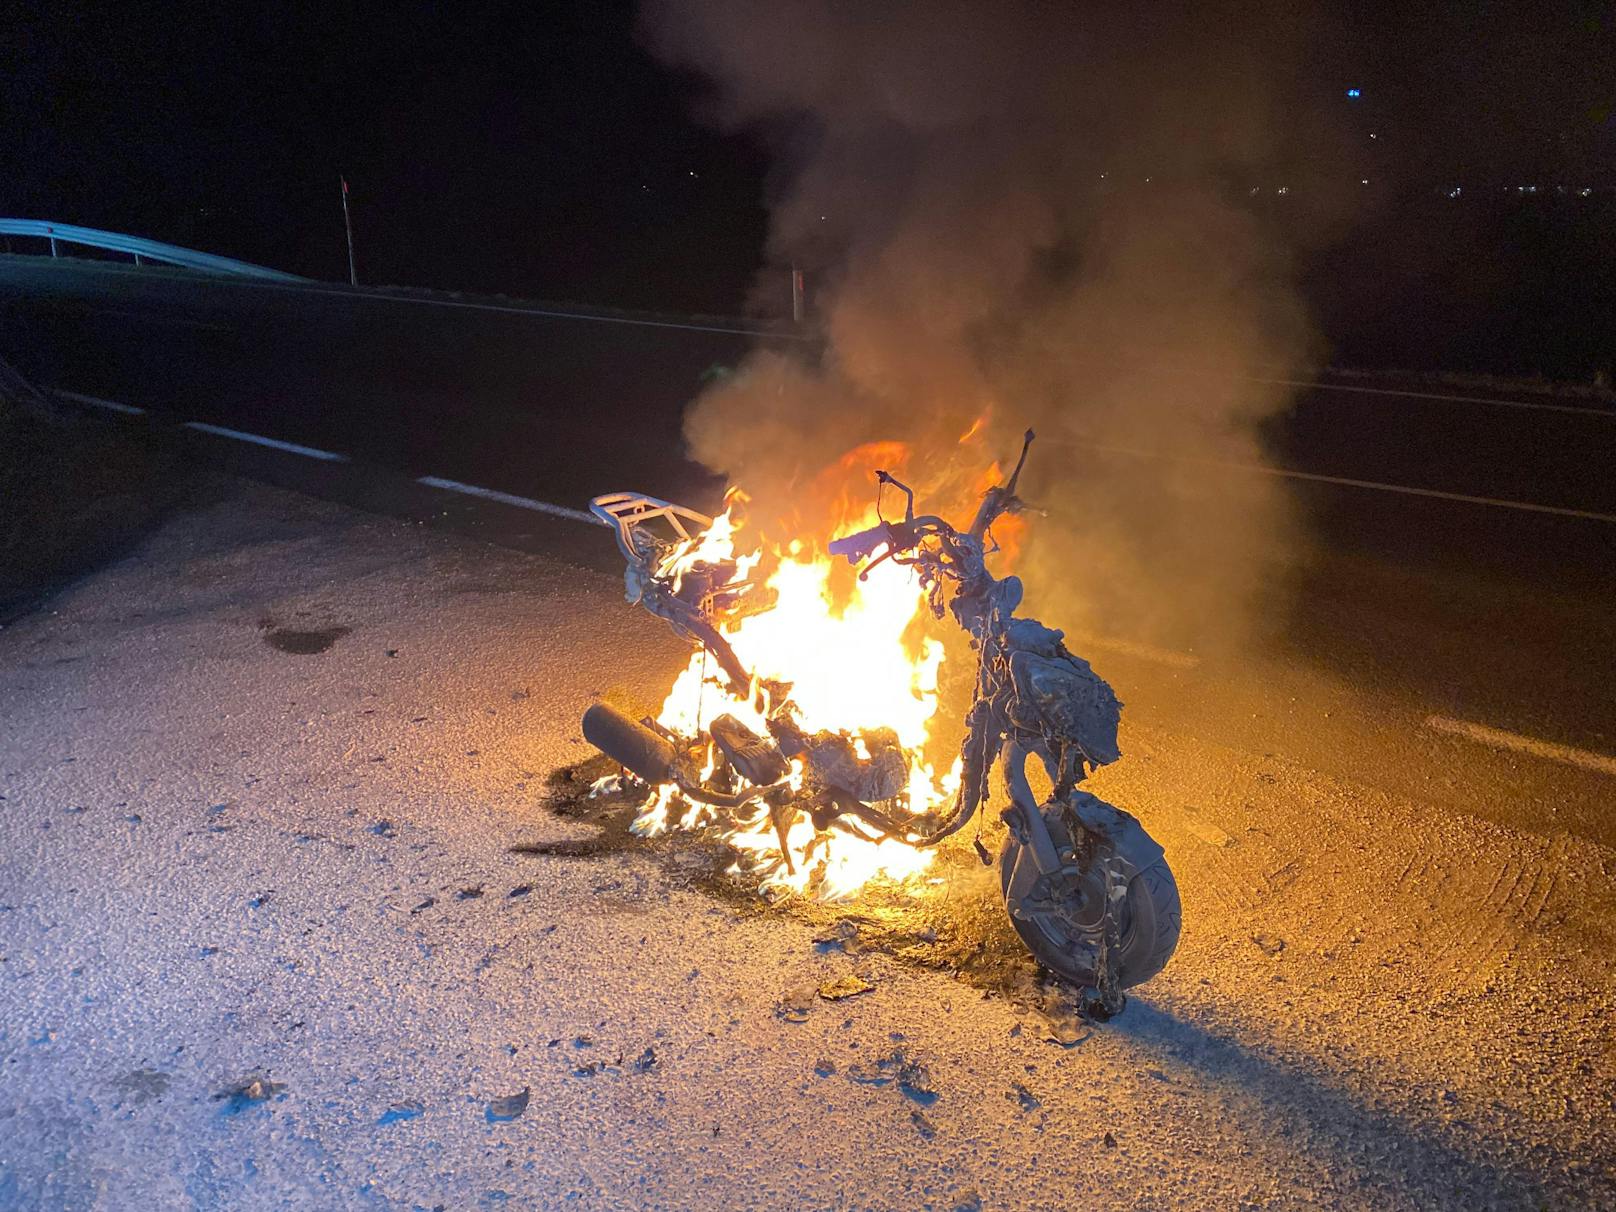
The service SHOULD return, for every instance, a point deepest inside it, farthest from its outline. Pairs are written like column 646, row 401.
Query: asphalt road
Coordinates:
column 408, row 380
column 1449, row 556
column 1392, row 807
column 1446, row 604
column 264, row 942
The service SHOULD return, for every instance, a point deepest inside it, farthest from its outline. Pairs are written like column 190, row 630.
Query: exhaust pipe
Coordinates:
column 631, row 745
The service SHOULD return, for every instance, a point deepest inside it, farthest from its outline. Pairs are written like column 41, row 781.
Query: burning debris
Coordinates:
column 801, row 730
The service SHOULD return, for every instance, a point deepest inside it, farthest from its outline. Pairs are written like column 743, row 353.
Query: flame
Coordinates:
column 841, row 493
column 856, row 656
column 855, row 660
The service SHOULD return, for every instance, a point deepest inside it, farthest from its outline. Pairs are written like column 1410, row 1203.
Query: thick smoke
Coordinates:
column 1035, row 214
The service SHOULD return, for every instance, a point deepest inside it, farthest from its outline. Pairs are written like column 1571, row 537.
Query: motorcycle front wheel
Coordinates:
column 1063, row 921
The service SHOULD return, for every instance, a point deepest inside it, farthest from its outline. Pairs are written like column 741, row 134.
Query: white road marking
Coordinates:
column 1497, row 738
column 1348, row 482
column 1609, row 413
column 1466, row 498
column 98, row 402
column 312, row 452
column 1181, row 659
column 309, row 452
column 506, row 498
column 1132, row 648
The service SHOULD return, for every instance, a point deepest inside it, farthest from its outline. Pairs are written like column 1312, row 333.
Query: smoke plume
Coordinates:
column 1031, row 215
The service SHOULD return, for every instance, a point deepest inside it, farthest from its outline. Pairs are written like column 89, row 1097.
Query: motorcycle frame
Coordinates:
column 982, row 604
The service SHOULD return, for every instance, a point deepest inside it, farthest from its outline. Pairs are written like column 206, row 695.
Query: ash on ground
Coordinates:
column 951, row 919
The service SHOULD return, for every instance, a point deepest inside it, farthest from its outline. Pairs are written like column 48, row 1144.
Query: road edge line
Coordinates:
column 1497, row 738
column 509, row 498
column 309, row 452
column 133, row 410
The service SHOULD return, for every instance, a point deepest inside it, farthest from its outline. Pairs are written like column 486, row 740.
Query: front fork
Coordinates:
column 1103, row 997
column 1023, row 816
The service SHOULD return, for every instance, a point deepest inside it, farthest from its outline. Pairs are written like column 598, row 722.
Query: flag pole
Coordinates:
column 347, row 223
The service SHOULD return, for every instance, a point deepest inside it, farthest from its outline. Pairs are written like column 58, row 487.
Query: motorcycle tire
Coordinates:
column 1148, row 933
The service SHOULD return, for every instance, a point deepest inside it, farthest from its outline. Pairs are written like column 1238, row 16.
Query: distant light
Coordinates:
column 1373, row 135
column 1354, row 93
column 1455, row 191
column 1584, row 192
column 1365, row 181
column 1283, row 189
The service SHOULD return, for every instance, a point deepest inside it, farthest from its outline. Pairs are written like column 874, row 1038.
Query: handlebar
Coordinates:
column 859, row 545
column 904, row 536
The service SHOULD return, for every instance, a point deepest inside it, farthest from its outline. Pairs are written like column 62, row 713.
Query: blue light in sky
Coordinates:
column 1354, row 92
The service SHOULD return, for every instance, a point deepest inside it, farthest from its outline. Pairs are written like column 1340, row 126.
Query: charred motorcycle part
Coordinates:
column 1025, row 820
column 653, row 760
column 634, row 517
column 1111, row 913
column 835, row 761
column 1087, row 889
column 635, row 520
column 630, row 744
column 1060, row 698
column 756, row 758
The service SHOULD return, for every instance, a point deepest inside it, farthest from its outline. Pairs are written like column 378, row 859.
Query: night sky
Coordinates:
column 538, row 150
column 529, row 149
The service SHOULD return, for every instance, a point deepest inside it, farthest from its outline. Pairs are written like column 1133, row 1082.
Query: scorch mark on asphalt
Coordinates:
column 1497, row 738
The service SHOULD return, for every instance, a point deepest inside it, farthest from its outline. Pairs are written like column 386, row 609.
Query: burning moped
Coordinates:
column 1087, row 889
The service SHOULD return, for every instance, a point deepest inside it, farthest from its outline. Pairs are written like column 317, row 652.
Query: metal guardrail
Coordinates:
column 140, row 249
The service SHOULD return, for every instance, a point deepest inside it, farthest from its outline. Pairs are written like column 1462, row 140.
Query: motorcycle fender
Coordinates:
column 1118, row 827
